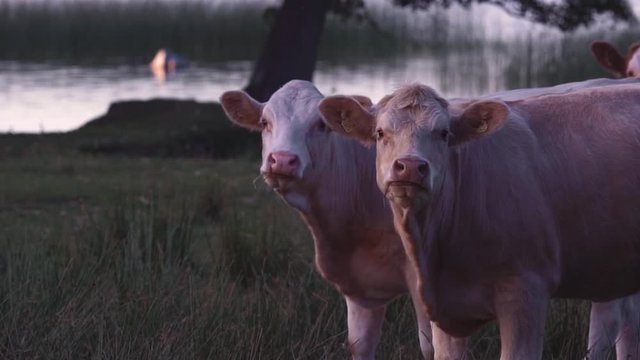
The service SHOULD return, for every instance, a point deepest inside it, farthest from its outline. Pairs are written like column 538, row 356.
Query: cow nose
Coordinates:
column 410, row 169
column 284, row 163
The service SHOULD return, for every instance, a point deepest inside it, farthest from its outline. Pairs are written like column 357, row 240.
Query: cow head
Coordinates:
column 609, row 58
column 413, row 129
column 294, row 135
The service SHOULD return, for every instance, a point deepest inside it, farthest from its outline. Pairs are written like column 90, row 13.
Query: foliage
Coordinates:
column 565, row 15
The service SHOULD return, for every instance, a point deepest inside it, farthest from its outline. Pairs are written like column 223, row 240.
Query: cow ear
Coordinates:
column 348, row 116
column 609, row 58
column 363, row 100
column 477, row 120
column 632, row 49
column 242, row 109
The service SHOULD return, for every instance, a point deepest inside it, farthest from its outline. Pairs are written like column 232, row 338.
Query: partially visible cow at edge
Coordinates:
column 502, row 205
column 620, row 66
column 330, row 180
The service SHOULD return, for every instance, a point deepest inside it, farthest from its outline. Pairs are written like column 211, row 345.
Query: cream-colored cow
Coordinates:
column 502, row 205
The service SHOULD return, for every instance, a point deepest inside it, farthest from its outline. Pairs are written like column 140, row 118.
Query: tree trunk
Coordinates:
column 291, row 47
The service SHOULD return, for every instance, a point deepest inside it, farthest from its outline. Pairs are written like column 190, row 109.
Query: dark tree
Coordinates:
column 291, row 47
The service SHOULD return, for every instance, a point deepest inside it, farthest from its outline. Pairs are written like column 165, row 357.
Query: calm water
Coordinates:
column 47, row 97
column 476, row 52
column 39, row 97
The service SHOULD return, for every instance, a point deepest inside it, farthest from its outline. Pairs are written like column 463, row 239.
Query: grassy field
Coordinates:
column 116, row 257
column 163, row 255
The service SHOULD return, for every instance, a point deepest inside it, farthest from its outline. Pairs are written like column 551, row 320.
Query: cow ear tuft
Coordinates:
column 478, row 120
column 346, row 115
column 242, row 109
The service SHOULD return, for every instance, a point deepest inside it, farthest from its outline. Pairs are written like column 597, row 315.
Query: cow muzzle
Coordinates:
column 281, row 168
column 407, row 180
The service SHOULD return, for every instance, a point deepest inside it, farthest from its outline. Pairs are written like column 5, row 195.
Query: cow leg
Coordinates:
column 424, row 335
column 448, row 347
column 520, row 310
column 604, row 326
column 424, row 327
column 628, row 341
column 615, row 323
column 365, row 329
column 435, row 343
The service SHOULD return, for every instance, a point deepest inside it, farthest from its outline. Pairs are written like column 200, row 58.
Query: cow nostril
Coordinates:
column 422, row 169
column 271, row 159
column 293, row 161
column 398, row 166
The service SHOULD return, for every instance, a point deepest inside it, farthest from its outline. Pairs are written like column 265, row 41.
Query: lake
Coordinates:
column 62, row 66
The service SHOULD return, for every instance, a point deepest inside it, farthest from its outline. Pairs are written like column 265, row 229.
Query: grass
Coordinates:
column 121, row 257
column 158, row 258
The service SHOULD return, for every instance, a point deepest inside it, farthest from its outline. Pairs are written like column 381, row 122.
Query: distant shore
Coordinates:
column 157, row 127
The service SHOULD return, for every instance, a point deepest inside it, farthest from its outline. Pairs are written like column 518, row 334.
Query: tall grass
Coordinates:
column 136, row 283
column 97, row 31
column 167, row 267
column 458, row 44
column 222, row 30
column 102, row 30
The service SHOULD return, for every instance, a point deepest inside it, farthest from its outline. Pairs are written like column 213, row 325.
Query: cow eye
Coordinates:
column 323, row 127
column 379, row 134
column 444, row 134
column 265, row 125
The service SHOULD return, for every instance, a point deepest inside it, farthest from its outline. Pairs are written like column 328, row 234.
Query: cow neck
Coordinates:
column 345, row 201
column 422, row 231
column 347, row 192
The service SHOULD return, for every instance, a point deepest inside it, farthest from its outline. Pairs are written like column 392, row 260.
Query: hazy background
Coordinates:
column 147, row 233
column 63, row 62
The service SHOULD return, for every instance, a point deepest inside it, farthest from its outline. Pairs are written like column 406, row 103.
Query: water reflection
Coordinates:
column 58, row 97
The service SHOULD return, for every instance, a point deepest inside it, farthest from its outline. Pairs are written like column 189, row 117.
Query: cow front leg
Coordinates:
column 448, row 347
column 365, row 329
column 604, row 324
column 628, row 341
column 520, row 310
column 435, row 343
column 424, row 332
column 616, row 324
